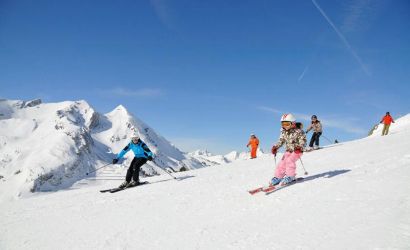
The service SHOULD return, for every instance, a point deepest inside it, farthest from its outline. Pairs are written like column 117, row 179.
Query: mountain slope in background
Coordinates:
column 208, row 159
column 45, row 147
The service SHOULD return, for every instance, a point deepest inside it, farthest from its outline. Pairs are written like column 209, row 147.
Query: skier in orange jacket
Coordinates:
column 254, row 143
column 386, row 120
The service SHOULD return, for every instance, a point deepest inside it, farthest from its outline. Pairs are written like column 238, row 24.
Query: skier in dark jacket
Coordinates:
column 142, row 154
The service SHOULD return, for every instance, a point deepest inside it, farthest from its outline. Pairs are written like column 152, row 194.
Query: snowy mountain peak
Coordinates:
column 119, row 110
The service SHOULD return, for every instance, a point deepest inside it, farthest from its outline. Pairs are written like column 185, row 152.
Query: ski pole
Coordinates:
column 327, row 139
column 175, row 178
column 98, row 169
column 168, row 173
column 306, row 173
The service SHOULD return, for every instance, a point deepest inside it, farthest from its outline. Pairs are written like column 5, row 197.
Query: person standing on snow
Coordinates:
column 386, row 120
column 295, row 140
column 142, row 154
column 254, row 143
column 317, row 132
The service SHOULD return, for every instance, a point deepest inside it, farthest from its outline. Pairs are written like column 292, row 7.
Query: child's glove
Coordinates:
column 274, row 150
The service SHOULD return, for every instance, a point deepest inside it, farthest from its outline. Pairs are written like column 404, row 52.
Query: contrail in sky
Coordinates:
column 342, row 37
column 303, row 73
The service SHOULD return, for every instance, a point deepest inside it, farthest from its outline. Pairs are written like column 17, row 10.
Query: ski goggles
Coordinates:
column 286, row 124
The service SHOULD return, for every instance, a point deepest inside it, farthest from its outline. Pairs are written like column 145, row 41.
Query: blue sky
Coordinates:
column 206, row 74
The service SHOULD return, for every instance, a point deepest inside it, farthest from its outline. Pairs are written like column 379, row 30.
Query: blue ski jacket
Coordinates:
column 140, row 150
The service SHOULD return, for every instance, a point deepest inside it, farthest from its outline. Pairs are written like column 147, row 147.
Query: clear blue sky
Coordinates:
column 206, row 74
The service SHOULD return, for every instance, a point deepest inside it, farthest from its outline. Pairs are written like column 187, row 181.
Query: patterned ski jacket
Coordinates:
column 293, row 138
column 316, row 126
column 140, row 150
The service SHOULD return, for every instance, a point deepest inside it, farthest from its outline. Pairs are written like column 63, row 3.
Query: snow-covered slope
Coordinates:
column 401, row 124
column 45, row 147
column 208, row 159
column 356, row 196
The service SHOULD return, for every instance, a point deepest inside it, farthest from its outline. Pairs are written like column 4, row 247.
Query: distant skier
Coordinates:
column 142, row 153
column 295, row 140
column 317, row 132
column 254, row 143
column 386, row 120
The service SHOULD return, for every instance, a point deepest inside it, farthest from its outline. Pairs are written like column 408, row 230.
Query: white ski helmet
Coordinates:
column 135, row 136
column 287, row 118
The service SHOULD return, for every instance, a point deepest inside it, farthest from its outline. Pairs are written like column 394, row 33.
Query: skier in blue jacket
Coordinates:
column 142, row 154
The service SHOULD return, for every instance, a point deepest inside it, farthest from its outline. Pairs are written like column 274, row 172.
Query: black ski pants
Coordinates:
column 134, row 169
column 315, row 139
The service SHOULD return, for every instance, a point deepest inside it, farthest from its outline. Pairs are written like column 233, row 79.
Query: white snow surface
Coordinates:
column 356, row 196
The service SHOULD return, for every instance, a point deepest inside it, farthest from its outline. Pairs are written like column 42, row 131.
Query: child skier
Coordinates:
column 295, row 140
column 142, row 153
column 254, row 143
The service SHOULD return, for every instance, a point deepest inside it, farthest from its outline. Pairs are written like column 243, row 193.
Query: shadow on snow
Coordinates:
column 328, row 174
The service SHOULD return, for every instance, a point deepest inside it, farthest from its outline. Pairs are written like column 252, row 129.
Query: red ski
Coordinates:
column 280, row 186
column 270, row 189
column 261, row 189
column 256, row 190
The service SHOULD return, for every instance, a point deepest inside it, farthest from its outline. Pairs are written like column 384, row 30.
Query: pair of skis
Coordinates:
column 114, row 190
column 270, row 189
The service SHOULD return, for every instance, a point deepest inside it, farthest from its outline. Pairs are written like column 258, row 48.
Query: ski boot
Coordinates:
column 275, row 181
column 133, row 184
column 124, row 184
column 308, row 149
column 287, row 180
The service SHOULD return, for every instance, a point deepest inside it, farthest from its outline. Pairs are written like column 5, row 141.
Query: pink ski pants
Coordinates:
column 287, row 166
